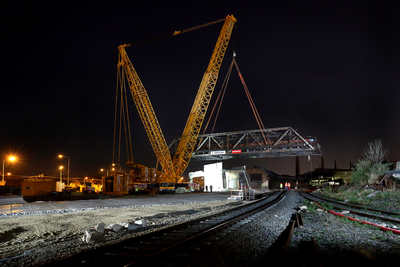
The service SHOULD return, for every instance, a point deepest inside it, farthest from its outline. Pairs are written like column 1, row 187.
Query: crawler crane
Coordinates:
column 173, row 167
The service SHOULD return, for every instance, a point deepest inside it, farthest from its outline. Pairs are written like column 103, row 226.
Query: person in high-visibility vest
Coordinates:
column 286, row 186
column 281, row 186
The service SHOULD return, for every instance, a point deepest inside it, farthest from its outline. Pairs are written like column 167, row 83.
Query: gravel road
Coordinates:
column 35, row 238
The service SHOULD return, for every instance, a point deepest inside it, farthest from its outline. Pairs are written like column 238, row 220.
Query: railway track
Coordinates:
column 376, row 214
column 159, row 246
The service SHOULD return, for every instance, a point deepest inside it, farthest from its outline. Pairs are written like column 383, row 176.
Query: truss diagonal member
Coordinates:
column 240, row 140
column 304, row 140
column 255, row 138
column 281, row 137
column 212, row 138
column 202, row 143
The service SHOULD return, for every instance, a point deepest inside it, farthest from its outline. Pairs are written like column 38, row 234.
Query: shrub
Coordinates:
column 379, row 168
column 371, row 165
column 360, row 174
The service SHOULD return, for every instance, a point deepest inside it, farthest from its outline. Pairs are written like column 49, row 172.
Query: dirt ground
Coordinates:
column 31, row 240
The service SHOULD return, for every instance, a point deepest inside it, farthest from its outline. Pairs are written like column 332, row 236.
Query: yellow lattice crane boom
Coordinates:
column 174, row 167
column 202, row 100
column 146, row 113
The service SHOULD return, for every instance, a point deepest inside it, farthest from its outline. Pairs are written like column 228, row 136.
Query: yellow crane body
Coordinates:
column 146, row 113
column 174, row 167
column 198, row 112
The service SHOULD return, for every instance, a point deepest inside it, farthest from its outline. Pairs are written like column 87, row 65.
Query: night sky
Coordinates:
column 329, row 69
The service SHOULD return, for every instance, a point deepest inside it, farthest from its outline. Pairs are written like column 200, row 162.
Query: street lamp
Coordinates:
column 63, row 156
column 12, row 158
column 61, row 167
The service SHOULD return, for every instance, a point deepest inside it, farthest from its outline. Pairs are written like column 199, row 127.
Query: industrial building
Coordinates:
column 229, row 179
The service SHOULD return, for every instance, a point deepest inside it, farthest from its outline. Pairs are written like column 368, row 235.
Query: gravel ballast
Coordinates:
column 32, row 239
column 246, row 243
column 341, row 241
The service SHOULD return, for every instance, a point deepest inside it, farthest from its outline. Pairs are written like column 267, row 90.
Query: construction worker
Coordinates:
column 281, row 186
column 288, row 185
column 285, row 185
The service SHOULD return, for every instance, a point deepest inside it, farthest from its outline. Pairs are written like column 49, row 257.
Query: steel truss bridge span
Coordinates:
column 272, row 142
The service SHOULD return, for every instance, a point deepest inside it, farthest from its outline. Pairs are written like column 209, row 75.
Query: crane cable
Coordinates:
column 120, row 94
column 175, row 33
column 224, row 85
column 197, row 27
column 252, row 104
column 120, row 116
column 127, row 126
column 115, row 113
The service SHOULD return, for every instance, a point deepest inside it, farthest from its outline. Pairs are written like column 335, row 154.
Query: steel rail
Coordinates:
column 356, row 206
column 153, row 244
column 309, row 197
column 207, row 232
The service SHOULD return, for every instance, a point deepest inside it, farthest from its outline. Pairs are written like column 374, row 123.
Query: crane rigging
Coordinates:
column 172, row 167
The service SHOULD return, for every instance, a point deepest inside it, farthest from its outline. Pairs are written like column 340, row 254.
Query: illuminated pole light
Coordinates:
column 61, row 167
column 63, row 156
column 12, row 158
column 112, row 169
